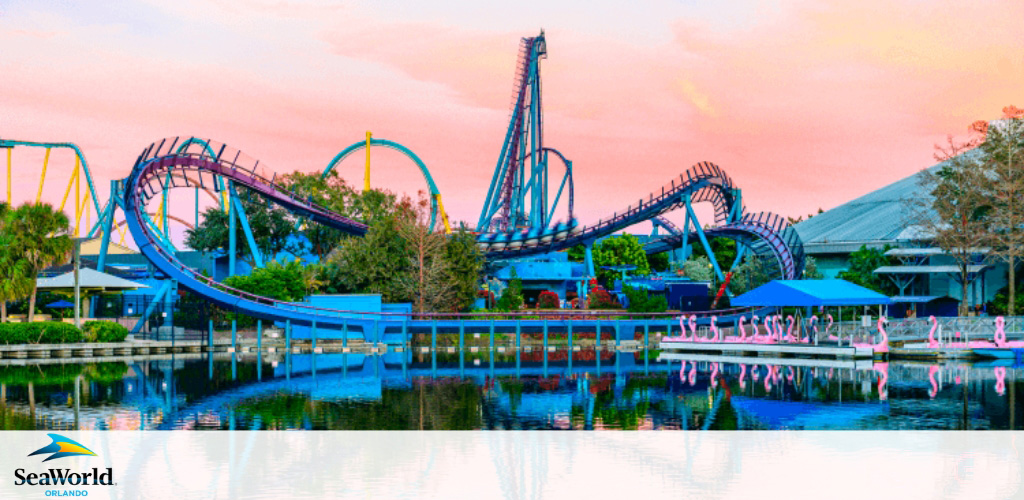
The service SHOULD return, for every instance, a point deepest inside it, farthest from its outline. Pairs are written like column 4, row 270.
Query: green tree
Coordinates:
column 334, row 194
column 39, row 236
column 640, row 301
column 465, row 263
column 285, row 282
column 863, row 263
column 17, row 279
column 698, row 268
column 375, row 263
column 811, row 271
column 429, row 283
column 723, row 248
column 1003, row 150
column 753, row 272
column 272, row 228
column 957, row 214
column 512, row 297
column 618, row 250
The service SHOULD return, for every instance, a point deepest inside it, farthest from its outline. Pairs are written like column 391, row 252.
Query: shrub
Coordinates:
column 641, row 302
column 104, row 331
column 547, row 300
column 106, row 372
column 601, row 299
column 42, row 332
column 44, row 375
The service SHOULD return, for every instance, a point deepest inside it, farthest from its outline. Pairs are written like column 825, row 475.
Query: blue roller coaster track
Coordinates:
column 517, row 219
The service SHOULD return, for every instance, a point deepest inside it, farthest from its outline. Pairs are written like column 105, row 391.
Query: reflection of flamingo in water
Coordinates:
column 790, row 374
column 743, row 376
column 882, row 345
column 755, row 373
column 883, row 380
column 714, row 375
column 1000, row 380
column 931, row 379
column 682, row 372
column 693, row 374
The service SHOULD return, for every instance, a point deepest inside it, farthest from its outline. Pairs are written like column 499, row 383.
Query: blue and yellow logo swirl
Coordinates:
column 62, row 447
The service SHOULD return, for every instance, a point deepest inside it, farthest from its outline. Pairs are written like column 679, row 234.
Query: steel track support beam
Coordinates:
column 160, row 292
column 238, row 211
column 232, row 239
column 704, row 240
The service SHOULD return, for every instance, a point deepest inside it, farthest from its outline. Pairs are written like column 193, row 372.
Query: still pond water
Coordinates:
column 473, row 391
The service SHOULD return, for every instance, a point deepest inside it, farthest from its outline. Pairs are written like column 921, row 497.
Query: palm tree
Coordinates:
column 17, row 281
column 39, row 237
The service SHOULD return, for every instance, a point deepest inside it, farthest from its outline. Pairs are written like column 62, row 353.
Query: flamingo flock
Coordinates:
column 774, row 333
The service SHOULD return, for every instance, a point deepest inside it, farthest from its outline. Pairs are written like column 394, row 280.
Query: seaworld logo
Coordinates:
column 63, row 447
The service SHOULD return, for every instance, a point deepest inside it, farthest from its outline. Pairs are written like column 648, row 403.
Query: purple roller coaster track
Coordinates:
column 511, row 226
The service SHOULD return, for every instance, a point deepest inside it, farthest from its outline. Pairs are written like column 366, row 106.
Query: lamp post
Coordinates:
column 78, row 292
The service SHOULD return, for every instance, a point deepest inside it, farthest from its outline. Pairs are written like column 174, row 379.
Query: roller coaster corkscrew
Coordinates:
column 528, row 209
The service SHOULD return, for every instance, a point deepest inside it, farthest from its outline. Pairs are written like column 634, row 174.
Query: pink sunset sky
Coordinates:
column 806, row 104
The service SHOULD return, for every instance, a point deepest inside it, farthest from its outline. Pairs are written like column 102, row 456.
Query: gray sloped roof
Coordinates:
column 877, row 217
column 88, row 278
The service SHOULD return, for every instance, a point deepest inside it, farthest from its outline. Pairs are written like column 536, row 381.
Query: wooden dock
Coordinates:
column 738, row 349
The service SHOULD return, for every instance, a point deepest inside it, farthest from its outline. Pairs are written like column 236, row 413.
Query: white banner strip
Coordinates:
column 514, row 464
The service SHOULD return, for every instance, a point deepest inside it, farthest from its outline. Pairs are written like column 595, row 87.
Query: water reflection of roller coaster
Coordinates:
column 523, row 214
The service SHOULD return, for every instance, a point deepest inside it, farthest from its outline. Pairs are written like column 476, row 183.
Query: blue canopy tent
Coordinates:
column 810, row 293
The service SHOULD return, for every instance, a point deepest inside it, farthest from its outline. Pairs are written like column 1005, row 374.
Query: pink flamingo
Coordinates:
column 1000, row 337
column 693, row 329
column 814, row 326
column 829, row 327
column 768, row 332
column 932, row 343
column 883, row 345
column 931, row 379
column 1000, row 380
column 714, row 329
column 753, row 322
column 741, row 326
column 682, row 330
